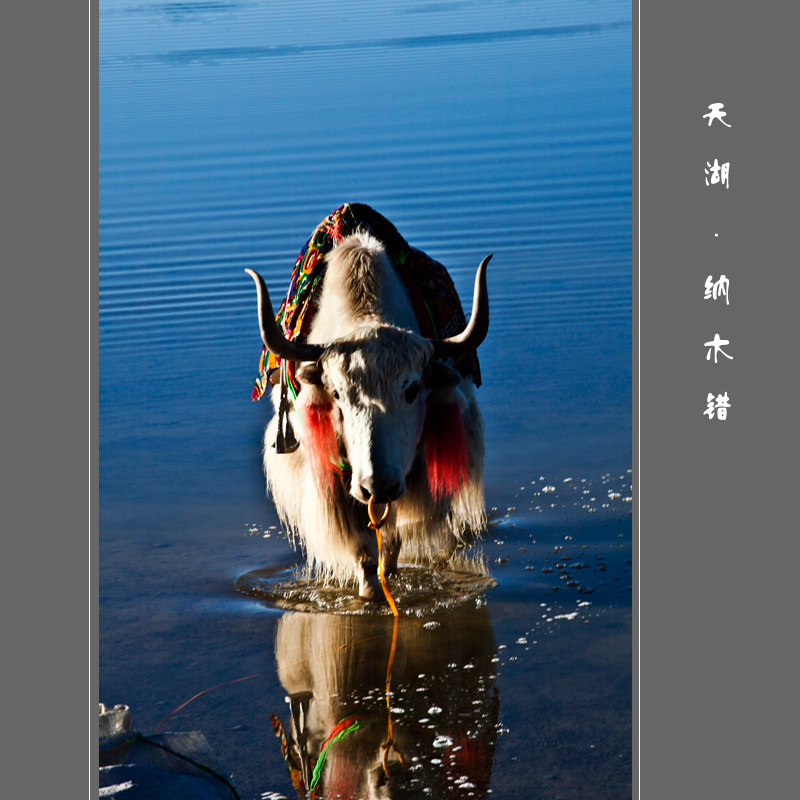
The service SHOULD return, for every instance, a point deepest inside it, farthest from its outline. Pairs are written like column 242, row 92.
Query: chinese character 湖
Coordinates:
column 716, row 112
column 716, row 346
column 716, row 289
column 717, row 406
column 719, row 174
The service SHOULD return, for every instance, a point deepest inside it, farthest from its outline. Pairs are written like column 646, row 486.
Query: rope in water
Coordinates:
column 376, row 525
column 389, row 743
column 349, row 725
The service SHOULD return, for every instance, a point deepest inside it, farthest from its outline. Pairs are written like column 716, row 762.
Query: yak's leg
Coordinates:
column 369, row 584
column 390, row 550
column 365, row 555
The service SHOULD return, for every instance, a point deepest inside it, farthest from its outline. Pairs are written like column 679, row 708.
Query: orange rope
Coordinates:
column 389, row 743
column 376, row 525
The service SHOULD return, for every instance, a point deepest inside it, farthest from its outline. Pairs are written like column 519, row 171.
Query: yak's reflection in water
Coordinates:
column 383, row 708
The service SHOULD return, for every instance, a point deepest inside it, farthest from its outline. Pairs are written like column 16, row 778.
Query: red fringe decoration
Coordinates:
column 320, row 442
column 446, row 453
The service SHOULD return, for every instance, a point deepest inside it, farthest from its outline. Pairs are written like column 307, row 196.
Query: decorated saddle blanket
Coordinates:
column 433, row 295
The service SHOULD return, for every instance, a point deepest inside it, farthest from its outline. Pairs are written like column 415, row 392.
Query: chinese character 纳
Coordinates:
column 716, row 112
column 716, row 346
column 714, row 290
column 719, row 174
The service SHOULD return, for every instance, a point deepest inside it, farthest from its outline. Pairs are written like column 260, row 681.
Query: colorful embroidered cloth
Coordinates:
column 432, row 293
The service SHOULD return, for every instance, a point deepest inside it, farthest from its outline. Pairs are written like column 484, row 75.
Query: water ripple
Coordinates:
column 253, row 52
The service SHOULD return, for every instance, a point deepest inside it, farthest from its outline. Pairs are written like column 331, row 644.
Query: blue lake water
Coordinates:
column 228, row 131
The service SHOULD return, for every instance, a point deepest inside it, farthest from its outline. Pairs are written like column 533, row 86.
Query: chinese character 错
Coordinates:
column 719, row 174
column 716, row 346
column 714, row 290
column 718, row 406
column 716, row 112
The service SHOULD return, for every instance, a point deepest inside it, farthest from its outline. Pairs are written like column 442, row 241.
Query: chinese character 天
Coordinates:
column 717, row 173
column 717, row 407
column 716, row 112
column 717, row 289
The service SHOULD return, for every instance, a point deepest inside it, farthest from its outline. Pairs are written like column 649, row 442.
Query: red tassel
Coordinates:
column 322, row 449
column 446, row 453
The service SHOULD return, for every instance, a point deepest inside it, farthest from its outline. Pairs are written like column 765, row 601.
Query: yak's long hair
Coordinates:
column 363, row 307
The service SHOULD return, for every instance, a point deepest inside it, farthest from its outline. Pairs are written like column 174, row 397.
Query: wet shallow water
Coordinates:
column 227, row 132
column 417, row 590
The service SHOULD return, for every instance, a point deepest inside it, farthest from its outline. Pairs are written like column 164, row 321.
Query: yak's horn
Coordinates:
column 478, row 326
column 272, row 335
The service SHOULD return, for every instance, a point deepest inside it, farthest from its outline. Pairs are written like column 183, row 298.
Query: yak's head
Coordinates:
column 373, row 399
column 367, row 400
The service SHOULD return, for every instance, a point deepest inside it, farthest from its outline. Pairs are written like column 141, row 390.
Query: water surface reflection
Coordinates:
column 383, row 708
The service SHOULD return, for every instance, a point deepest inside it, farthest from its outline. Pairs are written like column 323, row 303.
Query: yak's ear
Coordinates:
column 310, row 372
column 439, row 375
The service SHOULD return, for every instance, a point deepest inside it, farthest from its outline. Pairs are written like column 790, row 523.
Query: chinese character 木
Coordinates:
column 716, row 346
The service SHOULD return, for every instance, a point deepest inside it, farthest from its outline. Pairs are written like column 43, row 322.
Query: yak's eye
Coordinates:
column 412, row 392
column 335, row 395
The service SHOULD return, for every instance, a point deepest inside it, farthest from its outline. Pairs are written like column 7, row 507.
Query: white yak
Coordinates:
column 380, row 412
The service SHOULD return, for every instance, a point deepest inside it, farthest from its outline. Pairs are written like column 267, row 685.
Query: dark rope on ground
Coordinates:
column 234, row 794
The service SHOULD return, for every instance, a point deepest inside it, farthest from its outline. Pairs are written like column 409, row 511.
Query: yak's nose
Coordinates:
column 383, row 488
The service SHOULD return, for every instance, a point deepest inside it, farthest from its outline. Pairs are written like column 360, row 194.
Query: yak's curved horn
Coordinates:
column 478, row 326
column 272, row 335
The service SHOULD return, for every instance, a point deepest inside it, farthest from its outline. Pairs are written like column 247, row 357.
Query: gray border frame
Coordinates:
column 636, row 416
column 48, row 321
column 95, row 382
column 715, row 512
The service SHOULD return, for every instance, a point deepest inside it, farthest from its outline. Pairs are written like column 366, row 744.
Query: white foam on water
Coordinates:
column 442, row 741
column 110, row 791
